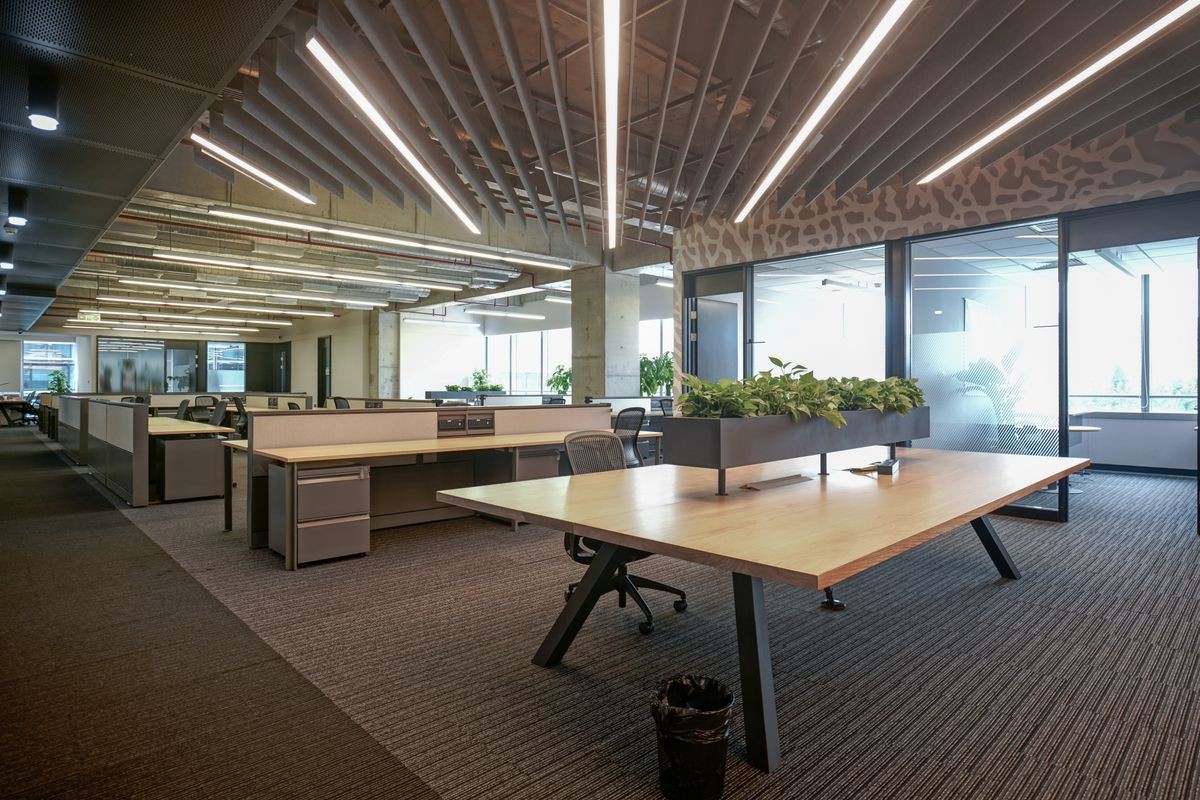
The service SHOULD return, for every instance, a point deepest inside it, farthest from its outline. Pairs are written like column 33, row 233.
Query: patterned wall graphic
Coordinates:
column 1112, row 169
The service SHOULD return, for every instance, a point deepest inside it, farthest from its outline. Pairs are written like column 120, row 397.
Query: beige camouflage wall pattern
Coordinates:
column 1112, row 169
column 1161, row 160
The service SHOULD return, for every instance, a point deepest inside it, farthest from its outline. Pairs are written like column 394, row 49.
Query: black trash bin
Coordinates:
column 692, row 714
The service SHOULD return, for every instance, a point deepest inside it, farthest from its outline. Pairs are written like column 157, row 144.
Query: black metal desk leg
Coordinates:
column 581, row 603
column 228, row 488
column 995, row 548
column 758, row 687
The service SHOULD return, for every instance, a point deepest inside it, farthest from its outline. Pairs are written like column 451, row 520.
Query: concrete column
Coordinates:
column 383, row 346
column 604, row 333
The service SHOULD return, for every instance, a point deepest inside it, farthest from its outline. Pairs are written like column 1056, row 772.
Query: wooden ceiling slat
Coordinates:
column 560, row 105
column 919, row 107
column 459, row 26
column 439, row 65
column 512, row 54
column 1098, row 99
column 698, row 99
column 766, row 20
column 902, row 59
column 1167, row 110
column 850, row 21
column 1068, row 46
column 1147, row 103
column 803, row 24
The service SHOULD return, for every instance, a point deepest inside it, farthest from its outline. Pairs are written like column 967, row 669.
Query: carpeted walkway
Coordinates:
column 122, row 677
column 940, row 680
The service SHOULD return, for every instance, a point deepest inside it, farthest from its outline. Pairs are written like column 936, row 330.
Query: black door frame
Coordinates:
column 324, row 369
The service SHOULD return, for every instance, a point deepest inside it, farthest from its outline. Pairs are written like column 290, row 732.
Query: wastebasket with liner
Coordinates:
column 692, row 714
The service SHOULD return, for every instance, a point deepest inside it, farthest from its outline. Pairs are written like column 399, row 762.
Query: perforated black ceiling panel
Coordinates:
column 133, row 76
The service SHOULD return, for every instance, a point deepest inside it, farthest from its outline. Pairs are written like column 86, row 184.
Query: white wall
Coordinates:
column 349, row 373
column 10, row 366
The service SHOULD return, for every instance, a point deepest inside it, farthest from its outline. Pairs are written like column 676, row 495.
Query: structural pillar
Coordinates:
column 605, row 306
column 383, row 354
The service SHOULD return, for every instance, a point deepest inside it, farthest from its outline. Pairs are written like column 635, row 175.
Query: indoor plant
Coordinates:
column 656, row 374
column 560, row 380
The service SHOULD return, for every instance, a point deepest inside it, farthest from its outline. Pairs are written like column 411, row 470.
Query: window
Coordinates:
column 655, row 337
column 526, row 363
column 499, row 360
column 557, row 350
column 226, row 367
column 39, row 359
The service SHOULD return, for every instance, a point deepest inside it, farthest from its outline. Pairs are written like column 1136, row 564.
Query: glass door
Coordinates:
column 716, row 344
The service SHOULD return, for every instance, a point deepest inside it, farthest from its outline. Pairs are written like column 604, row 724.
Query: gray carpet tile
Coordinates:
column 121, row 676
column 940, row 680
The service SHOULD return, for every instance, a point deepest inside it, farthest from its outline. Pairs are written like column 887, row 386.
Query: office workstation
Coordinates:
column 487, row 399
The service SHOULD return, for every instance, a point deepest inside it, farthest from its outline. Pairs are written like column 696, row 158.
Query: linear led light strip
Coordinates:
column 214, row 307
column 245, row 166
column 1101, row 63
column 306, row 273
column 207, row 288
column 612, row 76
column 373, row 237
column 326, row 59
column 487, row 312
column 845, row 79
column 128, row 324
column 440, row 322
column 184, row 317
column 196, row 334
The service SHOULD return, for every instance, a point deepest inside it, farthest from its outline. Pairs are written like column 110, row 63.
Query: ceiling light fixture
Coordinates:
column 3, row 285
column 844, row 80
column 366, row 236
column 184, row 317
column 345, row 277
column 234, row 160
column 666, row 283
column 18, row 206
column 1037, row 236
column 555, row 298
column 164, row 325
column 612, row 76
column 250, row 293
column 6, row 255
column 215, row 307
column 442, row 322
column 43, row 99
column 1103, row 62
column 364, row 104
column 503, row 293
column 487, row 312
column 195, row 334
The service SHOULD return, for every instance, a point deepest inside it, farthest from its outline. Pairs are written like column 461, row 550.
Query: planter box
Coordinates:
column 738, row 442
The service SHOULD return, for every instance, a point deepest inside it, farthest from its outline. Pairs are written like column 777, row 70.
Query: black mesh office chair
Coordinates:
column 217, row 415
column 628, row 426
column 128, row 399
column 242, row 420
column 293, row 406
column 341, row 402
column 182, row 411
column 600, row 451
column 667, row 404
column 202, row 407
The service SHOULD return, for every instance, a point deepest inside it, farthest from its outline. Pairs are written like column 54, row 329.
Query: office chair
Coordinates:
column 182, row 411
column 242, row 420
column 128, row 399
column 217, row 415
column 341, row 402
column 667, row 404
column 202, row 407
column 600, row 451
column 628, row 426
column 293, row 406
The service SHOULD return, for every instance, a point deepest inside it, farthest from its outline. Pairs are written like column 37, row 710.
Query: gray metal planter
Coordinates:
column 740, row 441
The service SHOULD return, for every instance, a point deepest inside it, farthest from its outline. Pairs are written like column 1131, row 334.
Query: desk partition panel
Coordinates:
column 279, row 400
column 385, row 402
column 118, row 448
column 72, row 427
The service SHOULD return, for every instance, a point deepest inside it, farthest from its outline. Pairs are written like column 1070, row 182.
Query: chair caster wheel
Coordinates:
column 646, row 628
column 680, row 605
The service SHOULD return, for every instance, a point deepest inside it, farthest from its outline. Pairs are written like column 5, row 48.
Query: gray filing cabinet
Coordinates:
column 333, row 512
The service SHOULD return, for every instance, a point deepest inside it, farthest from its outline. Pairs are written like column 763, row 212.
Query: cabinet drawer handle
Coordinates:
column 333, row 521
column 330, row 479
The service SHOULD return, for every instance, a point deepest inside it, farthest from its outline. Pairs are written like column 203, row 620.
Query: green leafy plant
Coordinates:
column 57, row 383
column 560, row 380
column 454, row 387
column 793, row 390
column 657, row 374
column 480, row 382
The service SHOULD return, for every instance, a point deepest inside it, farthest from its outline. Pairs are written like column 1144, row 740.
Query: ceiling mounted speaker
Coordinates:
column 43, row 99
column 18, row 206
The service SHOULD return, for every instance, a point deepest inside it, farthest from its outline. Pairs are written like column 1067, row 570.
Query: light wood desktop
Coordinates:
column 812, row 533
column 169, row 426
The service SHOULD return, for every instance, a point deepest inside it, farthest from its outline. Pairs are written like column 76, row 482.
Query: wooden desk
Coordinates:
column 10, row 404
column 811, row 534
column 169, row 426
column 365, row 453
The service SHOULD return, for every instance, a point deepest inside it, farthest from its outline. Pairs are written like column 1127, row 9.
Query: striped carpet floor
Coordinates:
column 939, row 681
column 121, row 677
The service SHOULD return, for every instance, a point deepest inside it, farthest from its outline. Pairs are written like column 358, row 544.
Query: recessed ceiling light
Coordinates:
column 844, row 80
column 18, row 206
column 327, row 60
column 1109, row 58
column 242, row 165
column 43, row 99
column 612, row 76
